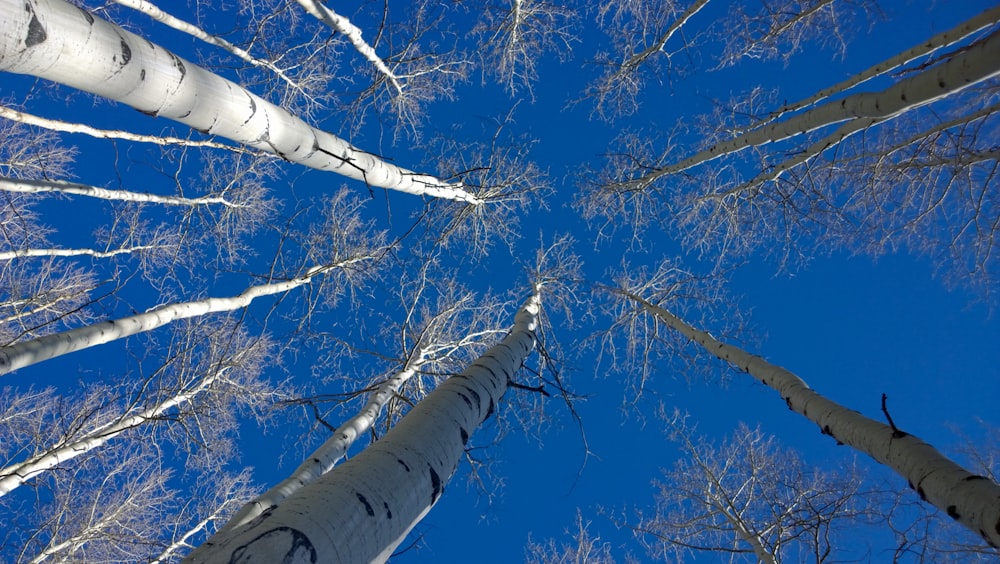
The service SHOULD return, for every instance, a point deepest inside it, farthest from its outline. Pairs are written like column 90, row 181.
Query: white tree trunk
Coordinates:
column 18, row 474
column 363, row 509
column 67, row 127
column 55, row 40
column 330, row 452
column 26, row 353
column 660, row 44
column 978, row 63
column 940, row 41
column 159, row 15
column 24, row 253
column 972, row 500
column 353, row 34
column 26, row 186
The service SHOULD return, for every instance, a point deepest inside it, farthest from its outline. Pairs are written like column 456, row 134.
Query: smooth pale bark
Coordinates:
column 981, row 61
column 62, row 187
column 972, row 500
column 66, row 127
column 353, row 34
column 361, row 510
column 24, row 253
column 37, row 350
column 940, row 41
column 332, row 451
column 159, row 15
column 53, row 39
column 18, row 474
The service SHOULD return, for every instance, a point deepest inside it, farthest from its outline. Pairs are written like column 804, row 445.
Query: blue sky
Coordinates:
column 852, row 327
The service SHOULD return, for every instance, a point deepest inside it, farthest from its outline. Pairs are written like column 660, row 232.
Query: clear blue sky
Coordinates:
column 852, row 327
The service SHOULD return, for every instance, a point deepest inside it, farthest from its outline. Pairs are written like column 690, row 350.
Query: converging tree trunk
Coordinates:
column 362, row 510
column 972, row 500
column 27, row 186
column 26, row 353
column 330, row 452
column 55, row 40
column 19, row 473
column 972, row 65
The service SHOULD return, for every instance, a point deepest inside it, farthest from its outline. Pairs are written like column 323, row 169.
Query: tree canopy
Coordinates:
column 241, row 243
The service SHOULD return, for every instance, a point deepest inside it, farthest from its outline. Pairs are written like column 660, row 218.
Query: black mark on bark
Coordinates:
column 126, row 51
column 36, row 31
column 368, row 506
column 435, row 485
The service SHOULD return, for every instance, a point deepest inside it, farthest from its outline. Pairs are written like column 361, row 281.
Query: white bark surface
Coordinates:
column 363, row 509
column 945, row 39
column 66, row 127
column 26, row 353
column 53, row 39
column 972, row 500
column 17, row 474
column 353, row 34
column 323, row 459
column 978, row 63
column 26, row 186
column 24, row 253
column 159, row 15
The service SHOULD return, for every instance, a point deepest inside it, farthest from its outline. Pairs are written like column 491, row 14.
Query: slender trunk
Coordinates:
column 26, row 353
column 973, row 501
column 24, row 253
column 938, row 42
column 979, row 62
column 67, row 127
column 55, row 40
column 18, row 474
column 159, row 15
column 26, row 186
column 353, row 34
column 637, row 59
column 332, row 451
column 363, row 509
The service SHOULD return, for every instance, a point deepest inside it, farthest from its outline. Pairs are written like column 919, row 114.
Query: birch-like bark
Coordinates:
column 53, row 39
column 63, row 187
column 67, row 127
column 363, row 509
column 981, row 61
column 353, row 34
column 323, row 459
column 20, row 473
column 940, row 41
column 24, row 253
column 37, row 350
column 159, row 15
column 972, row 500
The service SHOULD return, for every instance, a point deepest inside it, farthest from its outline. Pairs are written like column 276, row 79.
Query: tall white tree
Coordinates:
column 361, row 511
column 968, row 498
column 53, row 39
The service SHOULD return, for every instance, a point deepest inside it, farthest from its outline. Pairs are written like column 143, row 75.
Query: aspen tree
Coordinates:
column 362, row 510
column 970, row 499
column 26, row 353
column 55, row 40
